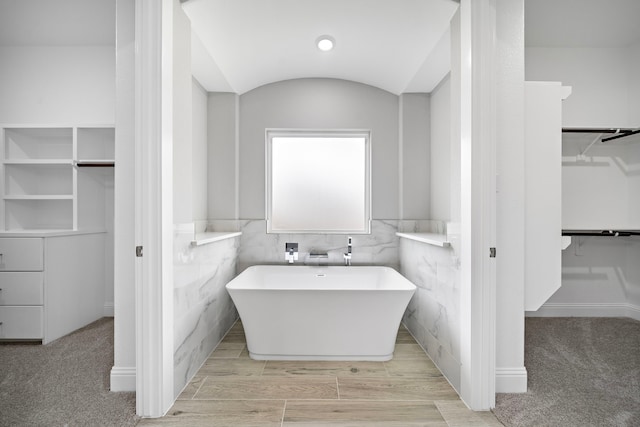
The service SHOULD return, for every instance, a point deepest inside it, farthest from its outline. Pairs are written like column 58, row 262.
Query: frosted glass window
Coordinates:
column 318, row 182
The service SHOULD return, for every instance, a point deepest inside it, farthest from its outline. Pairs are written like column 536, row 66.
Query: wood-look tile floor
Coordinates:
column 231, row 389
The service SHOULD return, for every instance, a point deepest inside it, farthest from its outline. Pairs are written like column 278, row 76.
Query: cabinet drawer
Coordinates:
column 21, row 323
column 22, row 288
column 21, row 254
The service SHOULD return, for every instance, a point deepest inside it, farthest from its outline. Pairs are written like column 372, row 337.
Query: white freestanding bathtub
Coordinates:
column 320, row 313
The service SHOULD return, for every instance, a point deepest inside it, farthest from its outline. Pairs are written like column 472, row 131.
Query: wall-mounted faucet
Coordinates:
column 347, row 255
column 291, row 252
column 320, row 258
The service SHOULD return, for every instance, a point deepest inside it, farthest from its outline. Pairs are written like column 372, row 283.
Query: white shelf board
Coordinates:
column 434, row 239
column 37, row 162
column 39, row 197
column 216, row 236
column 106, row 161
column 47, row 232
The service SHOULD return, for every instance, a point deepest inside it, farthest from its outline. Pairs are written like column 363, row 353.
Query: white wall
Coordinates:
column 199, row 152
column 236, row 138
column 600, row 78
column 319, row 104
column 441, row 151
column 182, row 117
column 634, row 88
column 415, row 158
column 632, row 275
column 602, row 191
column 222, row 156
column 600, row 277
column 57, row 84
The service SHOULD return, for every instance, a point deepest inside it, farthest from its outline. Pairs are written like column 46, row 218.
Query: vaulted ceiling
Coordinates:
column 399, row 46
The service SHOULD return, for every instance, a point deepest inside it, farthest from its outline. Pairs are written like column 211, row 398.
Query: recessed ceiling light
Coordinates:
column 325, row 43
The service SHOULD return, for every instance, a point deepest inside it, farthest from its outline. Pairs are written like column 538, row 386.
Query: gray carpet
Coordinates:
column 582, row 372
column 63, row 383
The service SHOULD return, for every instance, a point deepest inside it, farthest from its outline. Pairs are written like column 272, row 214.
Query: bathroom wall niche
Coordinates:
column 318, row 181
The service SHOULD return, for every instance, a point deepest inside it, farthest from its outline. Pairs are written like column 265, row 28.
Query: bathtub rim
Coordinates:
column 240, row 282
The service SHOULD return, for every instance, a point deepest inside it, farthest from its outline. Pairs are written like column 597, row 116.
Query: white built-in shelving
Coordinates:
column 43, row 182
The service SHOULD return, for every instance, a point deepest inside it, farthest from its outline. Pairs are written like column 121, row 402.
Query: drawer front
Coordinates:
column 21, row 254
column 23, row 288
column 21, row 323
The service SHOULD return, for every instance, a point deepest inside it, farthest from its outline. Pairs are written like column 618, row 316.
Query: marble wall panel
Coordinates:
column 378, row 248
column 203, row 310
column 433, row 313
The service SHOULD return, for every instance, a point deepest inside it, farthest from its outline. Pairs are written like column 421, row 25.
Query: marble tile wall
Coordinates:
column 203, row 310
column 378, row 248
column 433, row 314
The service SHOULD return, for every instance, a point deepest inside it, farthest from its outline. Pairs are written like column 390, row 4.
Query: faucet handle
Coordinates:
column 291, row 252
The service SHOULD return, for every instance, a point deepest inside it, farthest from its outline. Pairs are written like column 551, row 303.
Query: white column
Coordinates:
column 123, row 373
column 475, row 53
column 511, row 375
column 154, row 206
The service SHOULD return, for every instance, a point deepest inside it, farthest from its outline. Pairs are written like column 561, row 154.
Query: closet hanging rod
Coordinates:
column 617, row 132
column 621, row 135
column 601, row 233
column 95, row 164
column 593, row 130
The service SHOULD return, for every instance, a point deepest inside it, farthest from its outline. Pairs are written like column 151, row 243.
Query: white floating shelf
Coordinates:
column 210, row 237
column 434, row 239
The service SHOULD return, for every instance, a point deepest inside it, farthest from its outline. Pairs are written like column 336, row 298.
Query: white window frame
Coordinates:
column 317, row 133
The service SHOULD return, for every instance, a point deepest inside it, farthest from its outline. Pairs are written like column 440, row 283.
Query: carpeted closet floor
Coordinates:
column 63, row 383
column 582, row 372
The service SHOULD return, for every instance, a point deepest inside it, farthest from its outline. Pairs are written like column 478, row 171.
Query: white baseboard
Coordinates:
column 107, row 310
column 511, row 380
column 586, row 310
column 123, row 378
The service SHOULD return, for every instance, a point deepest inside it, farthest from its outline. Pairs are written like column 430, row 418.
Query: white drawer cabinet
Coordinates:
column 21, row 288
column 50, row 285
column 18, row 254
column 21, row 323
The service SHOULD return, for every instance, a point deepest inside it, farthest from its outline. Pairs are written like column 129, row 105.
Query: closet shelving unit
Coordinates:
column 49, row 177
column 54, row 224
column 602, row 137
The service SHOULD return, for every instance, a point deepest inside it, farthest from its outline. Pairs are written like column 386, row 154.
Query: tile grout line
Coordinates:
column 284, row 409
column 201, row 384
column 337, row 387
column 384, row 364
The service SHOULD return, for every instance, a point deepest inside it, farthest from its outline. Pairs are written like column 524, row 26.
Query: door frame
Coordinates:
column 154, row 205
